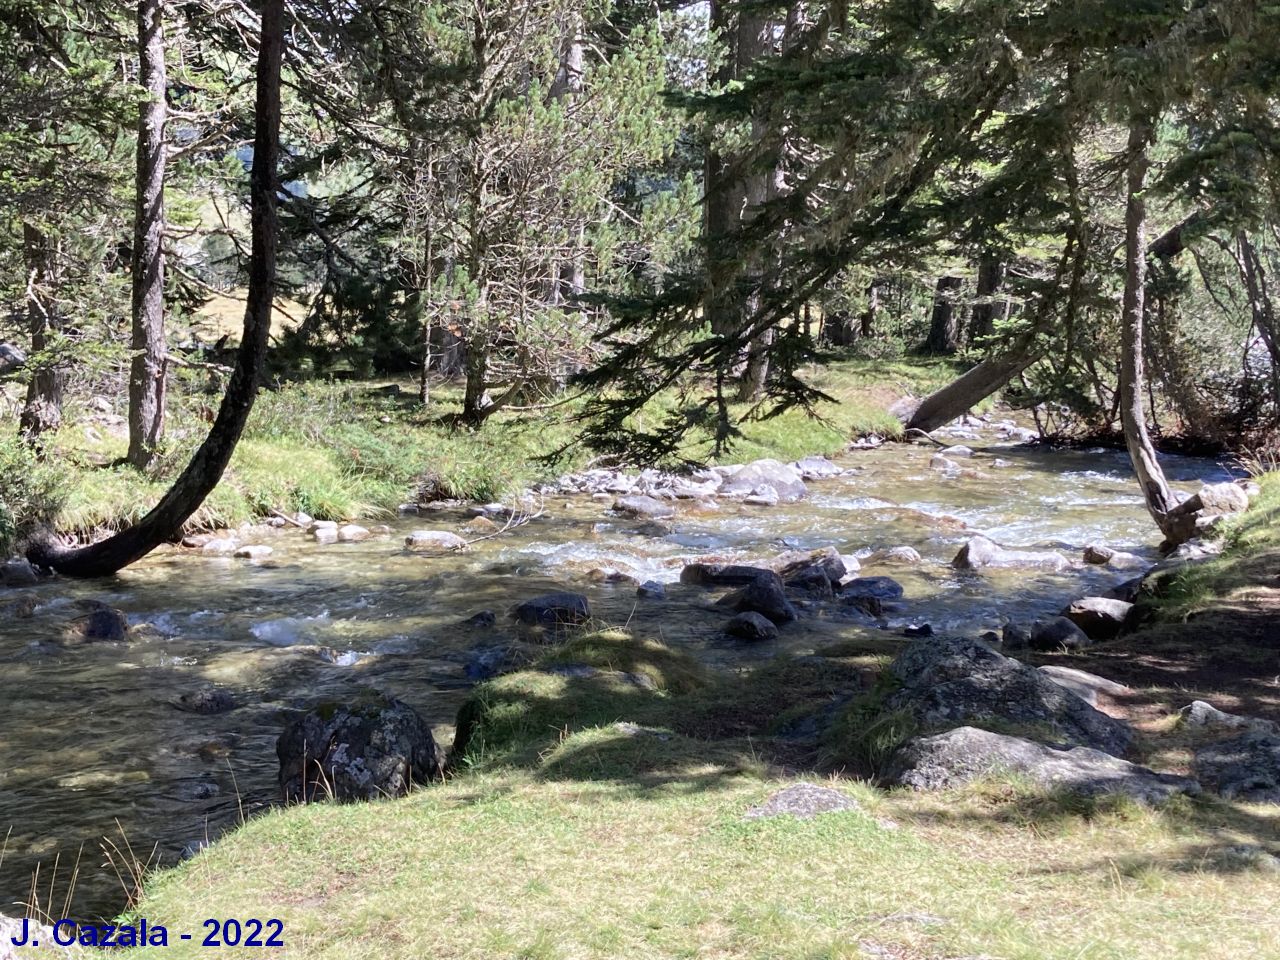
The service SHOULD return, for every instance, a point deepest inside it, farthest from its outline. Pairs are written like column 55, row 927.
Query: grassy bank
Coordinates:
column 356, row 450
column 598, row 818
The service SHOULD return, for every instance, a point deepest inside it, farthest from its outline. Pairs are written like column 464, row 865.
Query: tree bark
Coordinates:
column 975, row 385
column 987, row 306
column 1133, row 417
column 147, row 370
column 42, row 412
column 207, row 465
column 944, row 325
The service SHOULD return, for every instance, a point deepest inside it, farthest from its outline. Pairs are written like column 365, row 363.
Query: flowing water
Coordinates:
column 92, row 750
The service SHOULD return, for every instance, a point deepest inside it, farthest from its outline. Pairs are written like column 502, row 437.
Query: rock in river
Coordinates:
column 764, row 595
column 966, row 754
column 374, row 747
column 434, row 541
column 644, row 508
column 101, row 624
column 1101, row 618
column 980, row 553
column 553, row 610
column 720, row 574
column 764, row 477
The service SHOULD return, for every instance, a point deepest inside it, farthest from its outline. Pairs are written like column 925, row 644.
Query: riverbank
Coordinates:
column 594, row 816
column 354, row 451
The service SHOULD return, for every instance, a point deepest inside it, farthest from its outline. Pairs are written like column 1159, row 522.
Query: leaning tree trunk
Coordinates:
column 42, row 412
column 1133, row 416
column 147, row 370
column 975, row 385
column 210, row 460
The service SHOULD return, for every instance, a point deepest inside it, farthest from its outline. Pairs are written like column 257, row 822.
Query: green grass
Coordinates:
column 1245, row 572
column 598, row 818
column 347, row 451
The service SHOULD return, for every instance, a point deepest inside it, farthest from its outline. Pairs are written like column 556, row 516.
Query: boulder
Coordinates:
column 220, row 546
column 959, row 452
column 966, row 754
column 893, row 556
column 810, row 583
column 1013, row 637
column 1085, row 685
column 720, row 574
column 874, row 588
column 553, row 610
column 943, row 464
column 981, row 553
column 783, row 480
column 1128, row 591
column 652, row 590
column 827, row 561
column 256, row 551
column 18, row 572
column 374, row 747
column 1244, row 768
column 611, row 575
column 485, row 618
column 1222, row 499
column 957, row 681
column 1201, row 714
column 435, row 541
column 353, row 533
column 764, row 595
column 817, row 468
column 12, row 357
column 803, row 801
column 643, row 507
column 1100, row 618
column 1057, row 633
column 484, row 663
column 102, row 624
column 751, row 626
column 206, row 701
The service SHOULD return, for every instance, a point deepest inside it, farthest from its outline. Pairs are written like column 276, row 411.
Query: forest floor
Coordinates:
column 596, row 818
column 345, row 450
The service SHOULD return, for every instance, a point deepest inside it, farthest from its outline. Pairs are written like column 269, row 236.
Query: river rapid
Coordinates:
column 93, row 752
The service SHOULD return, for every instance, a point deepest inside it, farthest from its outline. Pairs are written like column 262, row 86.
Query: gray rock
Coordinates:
column 353, row 533
column 652, row 590
column 643, row 507
column 1201, row 714
column 1098, row 554
column 18, row 572
column 1113, row 559
column 959, row 451
column 220, row 546
column 553, row 610
column 434, row 541
column 981, row 553
column 484, row 663
column 256, row 551
column 1101, row 618
column 957, row 681
column 901, row 556
column 817, row 468
column 800, row 562
column 755, row 478
column 810, row 583
column 1221, row 499
column 375, row 747
column 102, row 624
column 1128, row 591
column 803, row 801
column 206, row 701
column 12, row 357
column 12, row 929
column 943, row 464
column 1085, row 685
column 1058, row 633
column 763, row 498
column 1245, row 768
column 877, row 588
column 764, row 595
column 966, row 754
column 751, row 626
column 485, row 618
column 720, row 574
column 1013, row 637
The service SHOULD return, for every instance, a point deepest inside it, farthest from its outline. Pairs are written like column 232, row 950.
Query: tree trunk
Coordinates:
column 867, row 322
column 42, row 413
column 944, row 326
column 475, row 401
column 944, row 405
column 987, row 307
column 147, row 370
column 207, row 465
